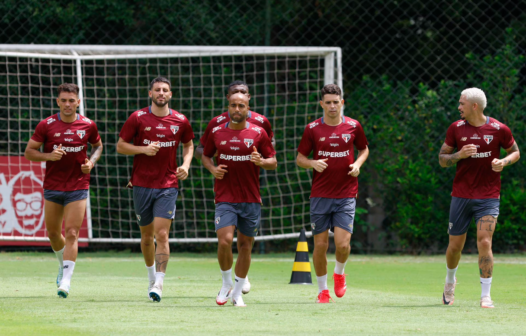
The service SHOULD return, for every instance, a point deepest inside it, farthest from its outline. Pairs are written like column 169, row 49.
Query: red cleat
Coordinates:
column 339, row 285
column 324, row 297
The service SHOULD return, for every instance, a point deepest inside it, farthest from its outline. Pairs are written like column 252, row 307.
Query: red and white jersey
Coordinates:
column 335, row 143
column 144, row 127
column 474, row 177
column 254, row 118
column 66, row 174
column 234, row 149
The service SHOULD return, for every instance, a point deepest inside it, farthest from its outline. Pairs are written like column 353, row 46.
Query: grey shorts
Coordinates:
column 326, row 213
column 462, row 210
column 246, row 217
column 65, row 197
column 150, row 203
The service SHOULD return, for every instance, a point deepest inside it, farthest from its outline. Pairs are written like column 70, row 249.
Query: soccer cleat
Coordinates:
column 63, row 290
column 238, row 302
column 156, row 292
column 339, row 284
column 246, row 286
column 150, row 286
column 223, row 295
column 486, row 302
column 448, row 296
column 59, row 276
column 324, row 297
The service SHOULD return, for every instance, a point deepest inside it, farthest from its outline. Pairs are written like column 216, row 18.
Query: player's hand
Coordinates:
column 87, row 166
column 497, row 165
column 256, row 158
column 57, row 153
column 355, row 170
column 182, row 173
column 152, row 148
column 219, row 171
column 320, row 165
column 467, row 151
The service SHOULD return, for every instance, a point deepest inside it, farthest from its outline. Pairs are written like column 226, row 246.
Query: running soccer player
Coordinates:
column 242, row 148
column 156, row 132
column 476, row 187
column 65, row 137
column 253, row 118
column 332, row 139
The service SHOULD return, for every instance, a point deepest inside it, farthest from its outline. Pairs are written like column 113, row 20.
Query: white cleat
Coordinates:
column 238, row 302
column 156, row 292
column 59, row 276
column 150, row 286
column 63, row 290
column 223, row 295
column 448, row 296
column 246, row 286
column 486, row 302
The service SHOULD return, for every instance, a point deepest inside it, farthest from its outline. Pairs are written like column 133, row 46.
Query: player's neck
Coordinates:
column 68, row 119
column 160, row 111
column 477, row 120
column 238, row 126
column 333, row 121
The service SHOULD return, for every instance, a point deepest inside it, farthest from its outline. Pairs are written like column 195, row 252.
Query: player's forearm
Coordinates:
column 129, row 149
column 511, row 158
column 35, row 155
column 188, row 152
column 269, row 164
column 96, row 152
column 198, row 153
column 449, row 160
column 362, row 156
column 304, row 162
column 207, row 163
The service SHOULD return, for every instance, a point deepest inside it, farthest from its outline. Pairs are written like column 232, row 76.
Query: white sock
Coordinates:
column 159, row 278
column 227, row 277
column 339, row 267
column 238, row 287
column 485, row 283
column 450, row 276
column 60, row 256
column 68, row 268
column 322, row 283
column 151, row 272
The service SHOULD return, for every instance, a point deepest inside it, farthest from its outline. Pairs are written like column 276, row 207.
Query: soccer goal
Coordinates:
column 284, row 84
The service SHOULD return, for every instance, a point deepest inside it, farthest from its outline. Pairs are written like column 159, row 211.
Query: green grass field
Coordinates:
column 385, row 295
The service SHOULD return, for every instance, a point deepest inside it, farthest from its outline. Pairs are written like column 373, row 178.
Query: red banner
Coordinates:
column 22, row 203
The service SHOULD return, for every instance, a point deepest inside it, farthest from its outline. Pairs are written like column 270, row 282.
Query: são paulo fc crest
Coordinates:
column 218, row 219
column 488, row 138
column 174, row 129
column 249, row 142
column 346, row 137
column 81, row 134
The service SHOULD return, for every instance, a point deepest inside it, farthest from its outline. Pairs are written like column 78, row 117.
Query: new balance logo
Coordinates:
column 66, row 266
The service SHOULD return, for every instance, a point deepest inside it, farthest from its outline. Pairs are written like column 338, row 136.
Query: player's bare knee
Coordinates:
column 224, row 243
column 54, row 234
column 321, row 246
column 484, row 243
column 343, row 247
column 71, row 233
column 244, row 246
column 147, row 239
column 161, row 236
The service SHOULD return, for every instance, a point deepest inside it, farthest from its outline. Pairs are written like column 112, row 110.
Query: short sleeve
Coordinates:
column 94, row 136
column 210, row 147
column 129, row 129
column 305, row 146
column 507, row 137
column 265, row 146
column 206, row 134
column 268, row 128
column 188, row 134
column 360, row 141
column 450, row 137
column 40, row 132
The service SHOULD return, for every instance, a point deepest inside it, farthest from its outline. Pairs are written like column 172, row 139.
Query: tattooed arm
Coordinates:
column 512, row 157
column 447, row 158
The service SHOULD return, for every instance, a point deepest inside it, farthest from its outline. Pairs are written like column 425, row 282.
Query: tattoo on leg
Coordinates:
column 486, row 266
column 484, row 221
column 161, row 261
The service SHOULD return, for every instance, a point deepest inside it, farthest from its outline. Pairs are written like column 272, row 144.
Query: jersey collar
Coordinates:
column 247, row 125
column 58, row 116
column 150, row 110
column 343, row 120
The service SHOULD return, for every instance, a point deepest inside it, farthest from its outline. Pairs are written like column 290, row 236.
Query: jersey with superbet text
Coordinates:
column 254, row 118
column 335, row 143
column 475, row 178
column 234, row 149
column 66, row 174
column 144, row 127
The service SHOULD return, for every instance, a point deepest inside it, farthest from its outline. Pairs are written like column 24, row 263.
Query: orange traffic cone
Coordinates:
column 301, row 273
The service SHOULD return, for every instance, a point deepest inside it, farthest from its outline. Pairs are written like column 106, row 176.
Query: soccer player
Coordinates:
column 253, row 118
column 156, row 132
column 242, row 148
column 476, row 187
column 332, row 139
column 65, row 137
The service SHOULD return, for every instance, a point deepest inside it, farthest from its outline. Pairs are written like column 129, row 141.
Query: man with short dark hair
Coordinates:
column 65, row 137
column 156, row 132
column 332, row 139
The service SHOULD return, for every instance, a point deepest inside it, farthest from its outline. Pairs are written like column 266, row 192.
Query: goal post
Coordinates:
column 284, row 85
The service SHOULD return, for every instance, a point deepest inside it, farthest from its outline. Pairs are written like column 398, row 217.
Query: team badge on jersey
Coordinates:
column 249, row 142
column 81, row 134
column 346, row 137
column 174, row 129
column 488, row 138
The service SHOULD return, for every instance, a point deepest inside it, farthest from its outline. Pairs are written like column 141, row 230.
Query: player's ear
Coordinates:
column 150, row 93
column 321, row 103
column 343, row 102
column 58, row 102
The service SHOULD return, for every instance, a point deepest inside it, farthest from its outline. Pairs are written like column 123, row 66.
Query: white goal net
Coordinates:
column 284, row 84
